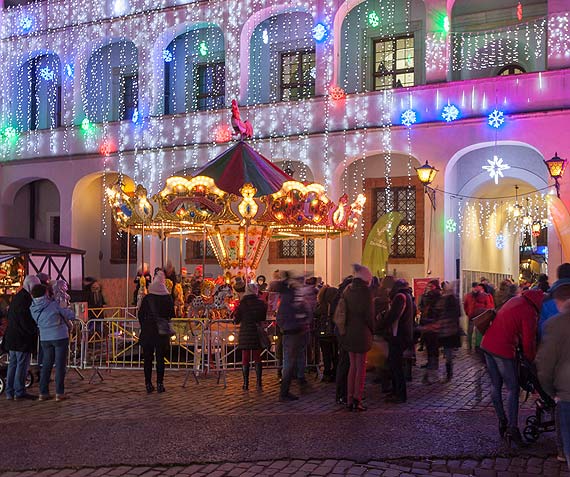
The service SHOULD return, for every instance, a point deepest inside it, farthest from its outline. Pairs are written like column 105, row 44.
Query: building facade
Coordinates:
column 353, row 94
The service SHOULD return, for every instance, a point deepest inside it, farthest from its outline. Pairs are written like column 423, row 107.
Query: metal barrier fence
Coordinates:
column 109, row 340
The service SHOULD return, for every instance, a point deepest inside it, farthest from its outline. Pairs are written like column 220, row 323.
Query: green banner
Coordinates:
column 379, row 241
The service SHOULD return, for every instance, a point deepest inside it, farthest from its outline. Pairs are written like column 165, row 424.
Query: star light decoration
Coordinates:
column 496, row 168
column 500, row 241
column 450, row 113
column 409, row 117
column 496, row 119
column 451, row 225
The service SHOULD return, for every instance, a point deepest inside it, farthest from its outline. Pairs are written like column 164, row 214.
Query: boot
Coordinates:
column 514, row 435
column 502, row 427
column 258, row 373
column 448, row 371
column 160, row 388
column 245, row 372
column 357, row 406
column 149, row 388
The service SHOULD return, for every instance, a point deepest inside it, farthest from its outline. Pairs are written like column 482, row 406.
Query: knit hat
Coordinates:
column 158, row 285
column 360, row 271
column 251, row 289
column 30, row 282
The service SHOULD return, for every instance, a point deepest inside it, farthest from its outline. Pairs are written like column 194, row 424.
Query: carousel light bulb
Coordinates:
column 231, row 338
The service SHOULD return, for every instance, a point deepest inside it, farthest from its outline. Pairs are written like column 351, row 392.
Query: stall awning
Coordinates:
column 12, row 246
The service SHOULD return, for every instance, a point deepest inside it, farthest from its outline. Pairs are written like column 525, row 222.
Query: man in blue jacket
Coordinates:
column 549, row 308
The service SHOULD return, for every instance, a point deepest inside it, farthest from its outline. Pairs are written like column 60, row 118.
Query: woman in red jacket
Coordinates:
column 514, row 326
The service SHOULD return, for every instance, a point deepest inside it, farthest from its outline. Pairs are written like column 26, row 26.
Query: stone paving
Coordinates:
column 206, row 429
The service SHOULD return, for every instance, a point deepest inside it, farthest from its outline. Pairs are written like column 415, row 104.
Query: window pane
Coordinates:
column 403, row 200
column 295, row 248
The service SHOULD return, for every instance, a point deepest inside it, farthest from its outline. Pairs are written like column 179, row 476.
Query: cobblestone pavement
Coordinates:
column 206, row 429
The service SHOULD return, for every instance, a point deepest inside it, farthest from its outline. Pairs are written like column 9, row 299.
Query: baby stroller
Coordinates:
column 545, row 406
column 30, row 379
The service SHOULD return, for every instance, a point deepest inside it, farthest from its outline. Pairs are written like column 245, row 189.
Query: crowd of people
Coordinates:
column 335, row 327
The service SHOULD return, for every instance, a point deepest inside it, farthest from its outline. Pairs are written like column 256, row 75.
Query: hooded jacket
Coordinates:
column 359, row 317
column 51, row 319
column 515, row 325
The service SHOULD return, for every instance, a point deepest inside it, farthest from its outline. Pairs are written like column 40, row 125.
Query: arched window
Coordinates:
column 194, row 71
column 38, row 100
column 513, row 69
column 112, row 82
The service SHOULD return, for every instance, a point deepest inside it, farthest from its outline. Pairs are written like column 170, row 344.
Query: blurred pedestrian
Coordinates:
column 475, row 303
column 155, row 313
column 553, row 362
column 398, row 323
column 428, row 326
column 324, row 327
column 249, row 315
column 20, row 340
column 448, row 311
column 359, row 328
column 549, row 308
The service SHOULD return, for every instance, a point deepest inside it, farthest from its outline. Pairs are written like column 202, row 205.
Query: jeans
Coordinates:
column 563, row 409
column 396, row 364
column 292, row 347
column 54, row 352
column 301, row 360
column 330, row 355
column 501, row 371
column 17, row 372
column 356, row 376
column 432, row 346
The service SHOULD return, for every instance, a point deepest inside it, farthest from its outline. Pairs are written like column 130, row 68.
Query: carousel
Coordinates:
column 238, row 202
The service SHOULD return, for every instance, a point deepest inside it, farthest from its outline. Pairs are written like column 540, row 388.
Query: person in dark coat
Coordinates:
column 358, row 337
column 343, row 365
column 399, row 323
column 155, row 313
column 20, row 340
column 250, row 311
column 429, row 333
column 448, row 312
column 324, row 327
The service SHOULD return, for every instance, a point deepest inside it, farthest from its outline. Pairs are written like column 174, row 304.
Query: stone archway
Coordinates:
column 469, row 187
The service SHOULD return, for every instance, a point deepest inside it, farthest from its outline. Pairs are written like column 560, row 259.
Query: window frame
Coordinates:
column 371, row 185
column 198, row 67
column 193, row 255
column 276, row 256
column 117, row 246
column 297, row 85
column 394, row 72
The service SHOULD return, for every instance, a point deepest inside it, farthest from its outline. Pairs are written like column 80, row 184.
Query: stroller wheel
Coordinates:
column 531, row 433
column 531, row 421
column 29, row 379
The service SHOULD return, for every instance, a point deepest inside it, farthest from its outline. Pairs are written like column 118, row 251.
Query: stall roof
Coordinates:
column 12, row 245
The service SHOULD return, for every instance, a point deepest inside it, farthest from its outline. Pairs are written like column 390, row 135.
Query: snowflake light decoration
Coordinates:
column 409, row 117
column 47, row 74
column 373, row 19
column 450, row 113
column 451, row 225
column 167, row 56
column 26, row 23
column 496, row 119
column 496, row 168
column 319, row 32
column 500, row 241
column 265, row 37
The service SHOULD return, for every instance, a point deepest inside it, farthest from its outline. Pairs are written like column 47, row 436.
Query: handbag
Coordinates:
column 339, row 317
column 164, row 327
column 264, row 341
column 483, row 320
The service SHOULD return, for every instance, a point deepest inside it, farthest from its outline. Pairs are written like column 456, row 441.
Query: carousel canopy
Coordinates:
column 241, row 164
